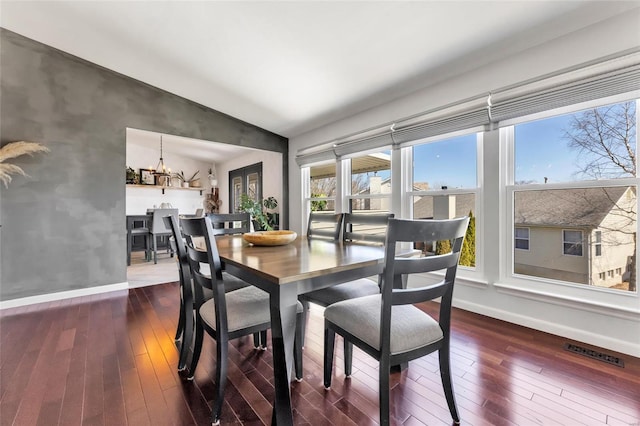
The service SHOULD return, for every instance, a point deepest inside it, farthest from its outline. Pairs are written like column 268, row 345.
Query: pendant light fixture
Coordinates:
column 161, row 169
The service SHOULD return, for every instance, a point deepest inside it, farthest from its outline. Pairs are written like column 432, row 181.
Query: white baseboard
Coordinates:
column 553, row 328
column 61, row 295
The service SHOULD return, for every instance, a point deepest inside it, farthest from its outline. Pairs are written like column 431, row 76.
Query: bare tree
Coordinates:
column 605, row 138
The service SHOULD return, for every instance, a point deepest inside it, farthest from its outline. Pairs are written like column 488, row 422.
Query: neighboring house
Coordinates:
column 581, row 235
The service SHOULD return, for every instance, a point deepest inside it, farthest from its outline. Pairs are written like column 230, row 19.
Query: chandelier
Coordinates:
column 161, row 169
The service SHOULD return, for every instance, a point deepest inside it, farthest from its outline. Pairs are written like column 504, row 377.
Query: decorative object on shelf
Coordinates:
column 184, row 182
column 262, row 220
column 162, row 170
column 212, row 201
column 13, row 150
column 132, row 177
column 147, row 177
column 269, row 238
column 213, row 180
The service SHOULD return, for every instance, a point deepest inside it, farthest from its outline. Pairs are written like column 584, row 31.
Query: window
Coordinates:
column 572, row 243
column 618, row 271
column 574, row 186
column 371, row 183
column 445, row 185
column 522, row 238
column 322, row 187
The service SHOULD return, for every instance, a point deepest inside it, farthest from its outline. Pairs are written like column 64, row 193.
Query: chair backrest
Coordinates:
column 232, row 223
column 324, row 225
column 197, row 231
column 405, row 230
column 199, row 212
column 180, row 249
column 158, row 227
column 365, row 227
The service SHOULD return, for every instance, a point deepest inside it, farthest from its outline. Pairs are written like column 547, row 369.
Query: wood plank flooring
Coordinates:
column 111, row 360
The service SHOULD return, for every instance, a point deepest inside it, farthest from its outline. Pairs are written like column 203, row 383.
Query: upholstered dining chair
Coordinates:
column 388, row 326
column 159, row 229
column 360, row 228
column 186, row 320
column 227, row 315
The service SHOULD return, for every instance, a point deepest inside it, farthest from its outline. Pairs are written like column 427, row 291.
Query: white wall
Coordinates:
column 271, row 175
column 596, row 324
column 138, row 200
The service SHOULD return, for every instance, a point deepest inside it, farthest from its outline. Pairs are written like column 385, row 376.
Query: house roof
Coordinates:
column 579, row 208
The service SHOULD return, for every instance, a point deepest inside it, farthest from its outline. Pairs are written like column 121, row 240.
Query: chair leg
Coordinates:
column 129, row 243
column 385, row 371
column 297, row 348
column 187, row 340
column 348, row 357
column 197, row 348
column 180, row 327
column 155, row 249
column 303, row 319
column 256, row 341
column 329, row 343
column 221, row 380
column 447, row 384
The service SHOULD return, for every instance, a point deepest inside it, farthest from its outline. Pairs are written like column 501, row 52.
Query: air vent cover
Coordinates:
column 600, row 356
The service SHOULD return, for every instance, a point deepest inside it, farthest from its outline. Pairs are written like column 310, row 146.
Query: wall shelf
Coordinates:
column 171, row 188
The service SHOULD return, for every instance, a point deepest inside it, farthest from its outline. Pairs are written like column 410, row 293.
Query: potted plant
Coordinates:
column 132, row 176
column 259, row 218
column 273, row 218
column 184, row 182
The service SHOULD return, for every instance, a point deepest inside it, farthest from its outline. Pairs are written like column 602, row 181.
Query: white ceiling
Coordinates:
column 290, row 67
column 199, row 150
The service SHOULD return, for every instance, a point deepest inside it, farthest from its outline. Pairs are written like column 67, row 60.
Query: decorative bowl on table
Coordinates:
column 269, row 238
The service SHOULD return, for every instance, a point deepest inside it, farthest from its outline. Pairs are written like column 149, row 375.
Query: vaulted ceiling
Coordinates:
column 290, row 67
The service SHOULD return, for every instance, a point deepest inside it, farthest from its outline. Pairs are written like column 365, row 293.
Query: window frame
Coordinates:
column 544, row 287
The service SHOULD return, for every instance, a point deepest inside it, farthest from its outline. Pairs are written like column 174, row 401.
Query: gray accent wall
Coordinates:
column 63, row 226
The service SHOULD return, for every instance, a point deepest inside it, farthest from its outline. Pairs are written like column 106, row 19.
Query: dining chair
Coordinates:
column 324, row 225
column 159, row 229
column 359, row 228
column 230, row 223
column 227, row 315
column 185, row 329
column 388, row 326
column 132, row 232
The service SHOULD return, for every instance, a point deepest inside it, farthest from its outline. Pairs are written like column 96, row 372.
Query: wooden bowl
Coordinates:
column 270, row 238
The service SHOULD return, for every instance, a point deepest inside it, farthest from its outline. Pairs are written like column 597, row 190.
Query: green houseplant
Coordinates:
column 262, row 221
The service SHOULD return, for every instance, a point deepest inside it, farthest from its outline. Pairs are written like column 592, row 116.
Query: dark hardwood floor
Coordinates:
column 111, row 360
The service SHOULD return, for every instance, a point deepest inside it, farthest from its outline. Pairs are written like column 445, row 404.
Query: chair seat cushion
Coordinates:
column 246, row 307
column 338, row 293
column 139, row 231
column 232, row 283
column 410, row 327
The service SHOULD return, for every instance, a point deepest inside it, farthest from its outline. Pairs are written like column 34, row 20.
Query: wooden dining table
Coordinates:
column 285, row 272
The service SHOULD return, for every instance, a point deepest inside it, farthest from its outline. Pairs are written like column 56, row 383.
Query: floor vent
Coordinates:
column 600, row 356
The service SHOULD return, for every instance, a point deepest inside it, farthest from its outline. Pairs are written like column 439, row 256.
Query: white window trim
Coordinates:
column 545, row 289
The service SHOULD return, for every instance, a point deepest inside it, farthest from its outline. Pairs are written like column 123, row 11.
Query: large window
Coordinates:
column 322, row 187
column 574, row 189
column 371, row 183
column 444, row 186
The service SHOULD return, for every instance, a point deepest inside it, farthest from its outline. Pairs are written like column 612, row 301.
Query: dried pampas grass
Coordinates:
column 13, row 150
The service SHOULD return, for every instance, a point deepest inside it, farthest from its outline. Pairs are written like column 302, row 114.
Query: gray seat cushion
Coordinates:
column 338, row 293
column 232, row 283
column 410, row 327
column 246, row 307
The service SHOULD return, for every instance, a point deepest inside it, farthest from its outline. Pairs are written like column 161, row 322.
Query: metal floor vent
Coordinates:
column 600, row 356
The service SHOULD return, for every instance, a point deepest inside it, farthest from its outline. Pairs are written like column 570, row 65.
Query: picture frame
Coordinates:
column 147, row 177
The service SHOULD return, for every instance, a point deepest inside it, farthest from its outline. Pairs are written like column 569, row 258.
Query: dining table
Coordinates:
column 285, row 271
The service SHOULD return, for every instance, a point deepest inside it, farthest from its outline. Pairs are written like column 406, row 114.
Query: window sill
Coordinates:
column 627, row 313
